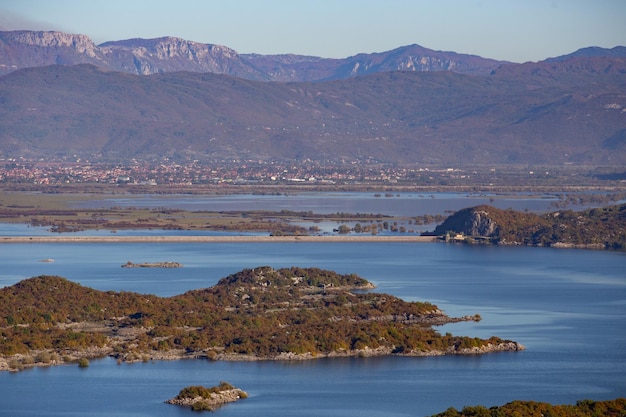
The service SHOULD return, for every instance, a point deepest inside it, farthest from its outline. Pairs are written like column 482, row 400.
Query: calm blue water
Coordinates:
column 567, row 306
column 395, row 204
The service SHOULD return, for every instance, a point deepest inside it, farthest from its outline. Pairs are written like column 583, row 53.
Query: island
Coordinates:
column 255, row 314
column 130, row 264
column 199, row 398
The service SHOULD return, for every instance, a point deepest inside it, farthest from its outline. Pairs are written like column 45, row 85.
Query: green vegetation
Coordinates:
column 599, row 227
column 200, row 398
column 584, row 408
column 261, row 312
column 200, row 391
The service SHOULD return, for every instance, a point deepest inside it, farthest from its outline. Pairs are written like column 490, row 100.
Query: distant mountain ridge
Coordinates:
column 207, row 102
column 26, row 49
column 396, row 117
column 593, row 51
column 22, row 49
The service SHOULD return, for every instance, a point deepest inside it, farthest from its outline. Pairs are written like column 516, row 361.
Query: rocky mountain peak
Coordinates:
column 592, row 51
column 167, row 54
column 473, row 221
column 81, row 44
column 418, row 59
column 20, row 49
column 168, row 47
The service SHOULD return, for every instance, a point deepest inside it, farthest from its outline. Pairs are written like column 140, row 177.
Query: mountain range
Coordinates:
column 148, row 98
column 20, row 49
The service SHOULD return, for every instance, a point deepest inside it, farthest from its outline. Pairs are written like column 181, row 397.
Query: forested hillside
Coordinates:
column 599, row 227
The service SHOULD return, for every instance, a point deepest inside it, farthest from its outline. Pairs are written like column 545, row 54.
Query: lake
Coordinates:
column 568, row 307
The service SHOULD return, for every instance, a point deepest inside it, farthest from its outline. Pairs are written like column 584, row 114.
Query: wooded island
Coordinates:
column 256, row 314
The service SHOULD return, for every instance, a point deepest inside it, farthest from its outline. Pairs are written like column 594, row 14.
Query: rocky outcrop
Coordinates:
column 80, row 44
column 506, row 346
column 480, row 224
column 473, row 221
column 170, row 54
column 199, row 398
column 23, row 49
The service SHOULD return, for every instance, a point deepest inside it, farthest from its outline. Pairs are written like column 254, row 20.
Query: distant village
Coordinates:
column 151, row 173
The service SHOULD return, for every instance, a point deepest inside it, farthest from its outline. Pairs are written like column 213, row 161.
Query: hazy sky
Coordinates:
column 514, row 30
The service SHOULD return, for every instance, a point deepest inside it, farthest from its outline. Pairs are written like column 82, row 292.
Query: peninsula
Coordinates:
column 598, row 228
column 255, row 314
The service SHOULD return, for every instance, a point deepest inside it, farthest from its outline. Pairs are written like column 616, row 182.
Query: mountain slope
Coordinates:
column 421, row 117
column 441, row 108
column 593, row 51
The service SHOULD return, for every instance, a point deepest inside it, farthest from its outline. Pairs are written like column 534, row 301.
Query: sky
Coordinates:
column 510, row 30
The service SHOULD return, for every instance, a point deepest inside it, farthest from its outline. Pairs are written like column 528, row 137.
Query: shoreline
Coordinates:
column 94, row 353
column 213, row 239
